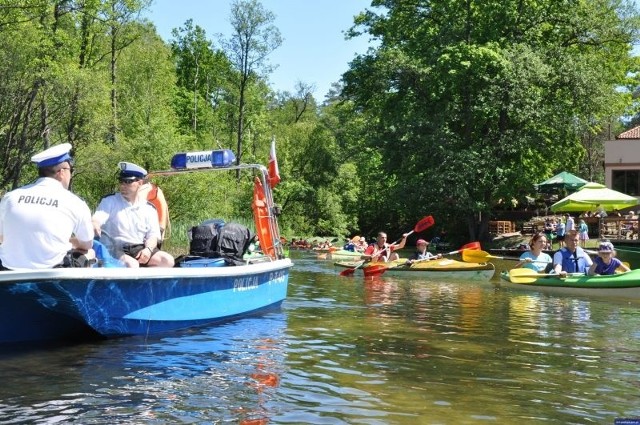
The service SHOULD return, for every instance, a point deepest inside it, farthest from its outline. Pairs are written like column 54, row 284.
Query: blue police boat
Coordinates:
column 106, row 302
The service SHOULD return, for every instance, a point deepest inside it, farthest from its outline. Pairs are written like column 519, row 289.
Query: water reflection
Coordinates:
column 345, row 350
column 228, row 372
column 458, row 352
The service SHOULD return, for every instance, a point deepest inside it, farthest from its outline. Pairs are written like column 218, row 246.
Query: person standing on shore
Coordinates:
column 583, row 232
column 570, row 224
column 560, row 232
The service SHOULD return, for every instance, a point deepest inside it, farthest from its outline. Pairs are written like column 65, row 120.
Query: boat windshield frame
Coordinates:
column 263, row 175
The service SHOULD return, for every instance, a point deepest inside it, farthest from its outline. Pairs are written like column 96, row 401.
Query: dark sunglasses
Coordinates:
column 128, row 180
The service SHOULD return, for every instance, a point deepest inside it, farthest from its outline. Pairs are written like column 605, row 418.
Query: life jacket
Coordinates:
column 573, row 263
column 420, row 256
column 375, row 251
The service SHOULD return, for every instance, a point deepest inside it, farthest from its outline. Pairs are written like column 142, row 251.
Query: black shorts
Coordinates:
column 559, row 238
column 133, row 250
column 75, row 259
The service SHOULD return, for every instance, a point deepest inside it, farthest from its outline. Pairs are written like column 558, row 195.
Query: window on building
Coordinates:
column 627, row 181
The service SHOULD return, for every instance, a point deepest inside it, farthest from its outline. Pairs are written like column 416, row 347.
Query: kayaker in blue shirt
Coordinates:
column 571, row 258
column 535, row 258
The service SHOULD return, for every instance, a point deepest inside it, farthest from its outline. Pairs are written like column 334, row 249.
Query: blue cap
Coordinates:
column 52, row 156
column 127, row 169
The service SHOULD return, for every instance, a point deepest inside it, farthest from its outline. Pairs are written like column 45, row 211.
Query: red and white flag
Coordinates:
column 274, row 172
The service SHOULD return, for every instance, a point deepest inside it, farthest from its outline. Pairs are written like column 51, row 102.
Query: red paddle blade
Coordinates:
column 424, row 224
column 376, row 270
column 347, row 272
column 471, row 245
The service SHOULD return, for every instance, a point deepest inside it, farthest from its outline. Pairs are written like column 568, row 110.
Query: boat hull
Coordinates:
column 622, row 285
column 434, row 270
column 65, row 304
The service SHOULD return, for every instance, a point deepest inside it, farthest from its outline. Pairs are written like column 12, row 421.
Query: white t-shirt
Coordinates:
column 36, row 222
column 125, row 222
column 570, row 225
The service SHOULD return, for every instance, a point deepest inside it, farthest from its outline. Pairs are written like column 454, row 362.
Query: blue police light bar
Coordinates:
column 203, row 159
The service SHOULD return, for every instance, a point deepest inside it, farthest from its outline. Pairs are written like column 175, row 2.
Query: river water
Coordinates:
column 342, row 350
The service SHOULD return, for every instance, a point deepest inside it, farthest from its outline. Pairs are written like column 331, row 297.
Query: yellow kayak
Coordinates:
column 443, row 268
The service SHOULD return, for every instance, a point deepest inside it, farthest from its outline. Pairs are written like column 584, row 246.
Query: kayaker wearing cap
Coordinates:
column 128, row 224
column 605, row 262
column 42, row 223
column 421, row 252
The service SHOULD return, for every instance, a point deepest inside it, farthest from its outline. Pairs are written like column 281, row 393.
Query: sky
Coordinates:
column 313, row 50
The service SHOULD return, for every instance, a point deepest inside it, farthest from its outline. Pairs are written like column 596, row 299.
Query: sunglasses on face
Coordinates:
column 128, row 180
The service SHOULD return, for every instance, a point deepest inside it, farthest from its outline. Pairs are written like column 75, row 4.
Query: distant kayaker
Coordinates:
column 536, row 259
column 606, row 263
column 571, row 258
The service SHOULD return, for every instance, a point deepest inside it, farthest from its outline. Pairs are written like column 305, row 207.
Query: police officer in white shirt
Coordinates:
column 43, row 225
column 128, row 224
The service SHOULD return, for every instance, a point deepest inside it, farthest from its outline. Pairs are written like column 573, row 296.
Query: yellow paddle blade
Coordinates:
column 524, row 275
column 475, row 256
column 621, row 270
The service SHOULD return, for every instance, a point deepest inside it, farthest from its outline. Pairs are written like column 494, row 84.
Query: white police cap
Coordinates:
column 128, row 169
column 52, row 156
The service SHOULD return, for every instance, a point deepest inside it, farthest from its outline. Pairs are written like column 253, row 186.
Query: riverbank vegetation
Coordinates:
column 458, row 107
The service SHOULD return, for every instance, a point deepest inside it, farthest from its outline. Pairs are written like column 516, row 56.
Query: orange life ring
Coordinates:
column 261, row 216
column 157, row 199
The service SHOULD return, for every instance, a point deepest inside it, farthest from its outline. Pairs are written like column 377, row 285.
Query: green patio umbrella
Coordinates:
column 563, row 180
column 589, row 196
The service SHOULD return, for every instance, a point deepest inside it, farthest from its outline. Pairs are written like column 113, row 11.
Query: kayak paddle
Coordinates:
column 420, row 226
column 525, row 275
column 479, row 256
column 471, row 246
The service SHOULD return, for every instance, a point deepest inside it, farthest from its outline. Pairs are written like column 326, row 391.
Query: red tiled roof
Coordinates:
column 634, row 133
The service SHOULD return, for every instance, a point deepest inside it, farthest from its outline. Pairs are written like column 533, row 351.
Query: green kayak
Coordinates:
column 626, row 285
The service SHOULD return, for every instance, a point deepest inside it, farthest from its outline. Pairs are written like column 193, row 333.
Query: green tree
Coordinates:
column 117, row 16
column 203, row 73
column 469, row 102
column 254, row 38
